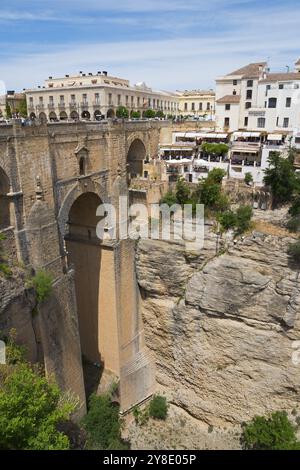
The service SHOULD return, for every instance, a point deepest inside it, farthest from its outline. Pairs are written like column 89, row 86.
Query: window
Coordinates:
column 97, row 98
column 41, row 100
column 62, row 99
column 246, row 121
column 227, row 107
column 84, row 98
column 268, row 87
column 200, row 106
column 109, row 98
column 234, row 92
column 31, row 100
column 132, row 101
column 272, row 102
column 249, row 83
column 127, row 98
column 261, row 122
column 248, row 104
column 119, row 99
column 286, row 122
column 277, row 121
column 208, row 107
column 193, row 106
column 226, row 122
column 288, row 102
column 281, row 86
column 81, row 166
column 51, row 99
column 185, row 106
column 234, row 82
column 249, row 95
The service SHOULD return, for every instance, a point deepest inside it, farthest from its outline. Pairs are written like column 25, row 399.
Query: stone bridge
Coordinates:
column 52, row 179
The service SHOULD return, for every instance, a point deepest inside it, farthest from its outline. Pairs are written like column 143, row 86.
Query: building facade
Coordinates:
column 13, row 100
column 94, row 97
column 197, row 103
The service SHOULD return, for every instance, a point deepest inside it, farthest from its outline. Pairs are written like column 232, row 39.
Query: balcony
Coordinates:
column 84, row 104
column 40, row 106
column 96, row 104
column 73, row 105
column 62, row 105
column 51, row 105
column 31, row 106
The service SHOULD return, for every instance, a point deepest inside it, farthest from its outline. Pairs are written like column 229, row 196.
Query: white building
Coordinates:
column 94, row 96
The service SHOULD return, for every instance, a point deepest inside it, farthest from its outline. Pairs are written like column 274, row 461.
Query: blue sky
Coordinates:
column 170, row 44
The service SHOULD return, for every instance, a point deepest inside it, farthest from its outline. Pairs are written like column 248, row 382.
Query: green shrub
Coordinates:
column 294, row 210
column 149, row 113
column 281, row 178
column 243, row 219
column 182, row 192
column 135, row 114
column 294, row 251
column 160, row 114
column 30, row 410
column 293, row 225
column 5, row 270
column 102, row 424
column 216, row 175
column 248, row 178
column 42, row 284
column 214, row 149
column 169, row 198
column 158, row 408
column 274, row 432
column 227, row 219
column 122, row 112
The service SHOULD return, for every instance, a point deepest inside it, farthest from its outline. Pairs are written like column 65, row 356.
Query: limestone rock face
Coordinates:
column 223, row 327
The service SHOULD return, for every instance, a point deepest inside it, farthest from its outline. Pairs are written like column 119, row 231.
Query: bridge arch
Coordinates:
column 84, row 254
column 4, row 200
column 135, row 158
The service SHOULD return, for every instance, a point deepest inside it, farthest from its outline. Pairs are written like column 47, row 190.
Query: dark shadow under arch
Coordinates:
column 135, row 158
column 4, row 200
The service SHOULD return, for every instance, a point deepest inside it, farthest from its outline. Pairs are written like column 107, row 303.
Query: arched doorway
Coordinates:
column 110, row 113
column 43, row 118
column 84, row 254
column 74, row 115
column 63, row 116
column 135, row 158
column 32, row 116
column 97, row 115
column 52, row 116
column 4, row 200
column 86, row 115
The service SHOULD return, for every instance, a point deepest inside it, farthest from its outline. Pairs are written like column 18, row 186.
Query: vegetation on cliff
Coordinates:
column 274, row 432
column 31, row 408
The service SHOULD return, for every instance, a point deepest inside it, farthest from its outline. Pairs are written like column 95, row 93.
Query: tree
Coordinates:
column 214, row 149
column 149, row 113
column 122, row 112
column 274, row 432
column 23, row 107
column 248, row 178
column 281, row 178
column 227, row 219
column 160, row 114
column 135, row 114
column 8, row 111
column 182, row 192
column 216, row 175
column 31, row 408
column 169, row 198
column 243, row 219
column 102, row 424
column 158, row 408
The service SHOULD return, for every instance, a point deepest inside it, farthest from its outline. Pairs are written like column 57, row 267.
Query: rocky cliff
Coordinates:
column 223, row 327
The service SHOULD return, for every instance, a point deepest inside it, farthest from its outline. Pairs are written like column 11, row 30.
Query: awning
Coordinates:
column 177, row 149
column 246, row 134
column 274, row 136
column 244, row 150
column 201, row 135
column 178, row 162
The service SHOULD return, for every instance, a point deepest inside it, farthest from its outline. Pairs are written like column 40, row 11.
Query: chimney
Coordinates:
column 104, row 73
column 67, row 76
column 90, row 74
column 50, row 78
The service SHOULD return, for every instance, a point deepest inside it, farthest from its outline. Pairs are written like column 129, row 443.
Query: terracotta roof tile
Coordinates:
column 229, row 99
